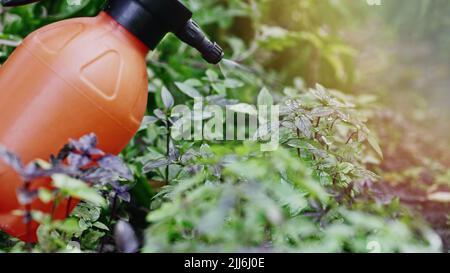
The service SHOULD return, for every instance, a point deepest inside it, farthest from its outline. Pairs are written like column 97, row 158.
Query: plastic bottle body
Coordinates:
column 66, row 80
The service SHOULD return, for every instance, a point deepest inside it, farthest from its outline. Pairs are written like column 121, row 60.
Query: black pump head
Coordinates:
column 151, row 20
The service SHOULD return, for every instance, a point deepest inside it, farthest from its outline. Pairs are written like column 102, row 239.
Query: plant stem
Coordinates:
column 335, row 179
column 113, row 209
column 333, row 123
column 28, row 218
column 299, row 151
column 54, row 205
column 69, row 204
column 28, row 223
column 167, row 150
column 351, row 137
column 317, row 125
column 111, row 218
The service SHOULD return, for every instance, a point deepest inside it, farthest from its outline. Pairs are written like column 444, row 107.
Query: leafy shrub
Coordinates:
column 315, row 193
column 223, row 197
column 80, row 171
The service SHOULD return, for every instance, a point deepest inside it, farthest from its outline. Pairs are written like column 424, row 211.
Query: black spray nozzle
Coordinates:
column 192, row 35
column 151, row 20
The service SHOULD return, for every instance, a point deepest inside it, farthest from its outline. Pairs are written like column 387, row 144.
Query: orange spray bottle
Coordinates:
column 80, row 76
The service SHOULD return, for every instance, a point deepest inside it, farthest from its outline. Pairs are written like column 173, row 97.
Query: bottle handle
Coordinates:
column 15, row 3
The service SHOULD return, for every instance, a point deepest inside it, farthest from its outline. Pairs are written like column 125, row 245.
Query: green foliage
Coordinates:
column 228, row 197
column 312, row 194
column 20, row 21
column 265, row 202
column 422, row 21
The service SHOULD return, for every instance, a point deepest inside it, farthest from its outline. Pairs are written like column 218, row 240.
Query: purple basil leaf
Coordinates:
column 95, row 152
column 67, row 170
column 11, row 159
column 27, row 218
column 98, row 175
column 64, row 153
column 78, row 161
column 116, row 165
column 119, row 189
column 193, row 169
column 54, row 160
column 125, row 238
column 124, row 196
column 26, row 197
column 160, row 114
column 167, row 98
column 33, row 171
column 85, row 143
column 174, row 153
column 217, row 171
column 89, row 141
column 188, row 156
column 154, row 164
